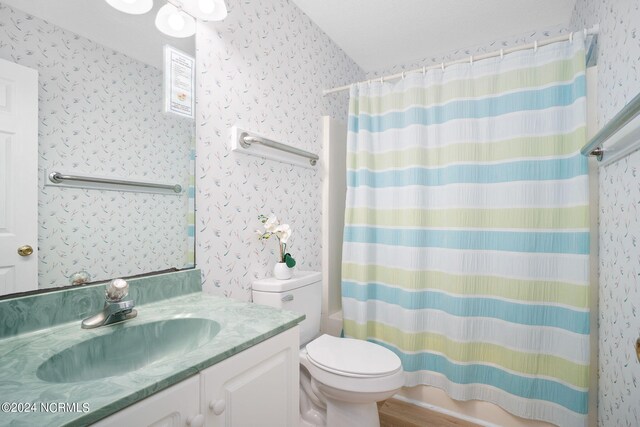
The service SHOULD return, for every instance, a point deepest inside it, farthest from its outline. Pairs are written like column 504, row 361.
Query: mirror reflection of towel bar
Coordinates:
column 57, row 178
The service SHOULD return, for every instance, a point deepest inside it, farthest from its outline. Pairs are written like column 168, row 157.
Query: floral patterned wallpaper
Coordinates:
column 263, row 68
column 619, row 319
column 100, row 113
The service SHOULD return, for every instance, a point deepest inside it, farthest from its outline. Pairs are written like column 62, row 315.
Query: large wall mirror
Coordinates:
column 100, row 114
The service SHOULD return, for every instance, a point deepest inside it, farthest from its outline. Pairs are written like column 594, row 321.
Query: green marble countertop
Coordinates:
column 242, row 325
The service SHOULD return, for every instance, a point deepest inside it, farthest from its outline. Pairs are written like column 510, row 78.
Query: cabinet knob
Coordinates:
column 218, row 406
column 195, row 420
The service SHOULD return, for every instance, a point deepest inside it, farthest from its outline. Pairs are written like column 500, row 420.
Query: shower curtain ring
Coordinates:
column 571, row 37
column 501, row 53
column 424, row 70
column 535, row 46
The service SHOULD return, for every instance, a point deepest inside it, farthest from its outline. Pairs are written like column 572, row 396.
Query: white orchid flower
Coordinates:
column 283, row 232
column 271, row 223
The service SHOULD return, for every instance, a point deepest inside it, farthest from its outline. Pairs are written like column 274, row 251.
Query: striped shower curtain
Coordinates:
column 466, row 240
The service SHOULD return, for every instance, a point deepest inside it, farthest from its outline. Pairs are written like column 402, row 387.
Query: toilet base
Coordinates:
column 313, row 407
column 351, row 403
column 345, row 410
column 341, row 414
column 346, row 414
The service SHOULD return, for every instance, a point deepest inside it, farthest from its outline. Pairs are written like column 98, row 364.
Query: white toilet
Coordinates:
column 341, row 379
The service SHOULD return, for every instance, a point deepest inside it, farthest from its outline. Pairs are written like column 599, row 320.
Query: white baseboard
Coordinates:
column 445, row 411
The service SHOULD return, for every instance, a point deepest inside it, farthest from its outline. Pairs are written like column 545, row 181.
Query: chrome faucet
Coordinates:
column 115, row 308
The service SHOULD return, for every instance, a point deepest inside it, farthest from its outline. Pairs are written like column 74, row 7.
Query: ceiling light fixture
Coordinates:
column 133, row 7
column 205, row 10
column 174, row 22
column 177, row 18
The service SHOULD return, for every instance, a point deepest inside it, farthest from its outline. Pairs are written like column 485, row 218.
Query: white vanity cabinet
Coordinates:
column 177, row 406
column 256, row 387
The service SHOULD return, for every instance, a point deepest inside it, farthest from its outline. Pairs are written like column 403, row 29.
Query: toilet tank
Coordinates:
column 301, row 294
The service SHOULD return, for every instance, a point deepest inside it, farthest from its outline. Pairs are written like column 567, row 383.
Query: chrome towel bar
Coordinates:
column 57, row 178
column 622, row 134
column 246, row 140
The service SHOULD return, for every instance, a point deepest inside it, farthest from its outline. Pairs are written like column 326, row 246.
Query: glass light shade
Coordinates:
column 205, row 10
column 134, row 7
column 174, row 22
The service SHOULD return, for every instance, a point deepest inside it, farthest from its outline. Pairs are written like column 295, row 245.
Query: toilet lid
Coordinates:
column 352, row 357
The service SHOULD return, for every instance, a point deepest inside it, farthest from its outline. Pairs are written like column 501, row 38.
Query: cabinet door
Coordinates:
column 177, row 406
column 255, row 388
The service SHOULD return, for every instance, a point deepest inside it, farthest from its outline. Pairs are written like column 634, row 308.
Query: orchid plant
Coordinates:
column 282, row 232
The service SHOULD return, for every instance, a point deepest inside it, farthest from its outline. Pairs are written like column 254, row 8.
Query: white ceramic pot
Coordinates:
column 281, row 271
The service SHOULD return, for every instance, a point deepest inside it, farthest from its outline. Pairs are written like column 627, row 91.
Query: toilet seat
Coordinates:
column 352, row 358
column 336, row 361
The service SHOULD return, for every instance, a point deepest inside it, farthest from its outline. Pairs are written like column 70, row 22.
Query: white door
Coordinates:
column 18, row 178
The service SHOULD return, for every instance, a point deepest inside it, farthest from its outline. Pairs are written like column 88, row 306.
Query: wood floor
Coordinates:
column 396, row 413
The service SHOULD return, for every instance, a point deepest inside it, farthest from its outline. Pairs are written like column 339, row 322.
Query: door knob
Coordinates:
column 25, row 250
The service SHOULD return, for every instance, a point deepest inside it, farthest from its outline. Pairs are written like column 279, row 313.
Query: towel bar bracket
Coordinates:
column 598, row 153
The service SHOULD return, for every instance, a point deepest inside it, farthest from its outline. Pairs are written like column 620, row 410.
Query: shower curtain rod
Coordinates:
column 535, row 45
